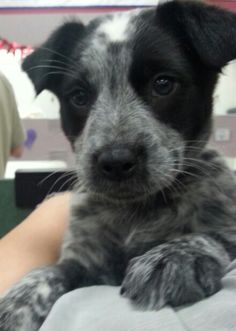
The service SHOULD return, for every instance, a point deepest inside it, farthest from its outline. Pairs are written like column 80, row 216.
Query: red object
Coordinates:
column 12, row 47
column 224, row 3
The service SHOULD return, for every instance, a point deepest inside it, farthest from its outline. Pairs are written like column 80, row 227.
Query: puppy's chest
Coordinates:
column 141, row 229
column 136, row 228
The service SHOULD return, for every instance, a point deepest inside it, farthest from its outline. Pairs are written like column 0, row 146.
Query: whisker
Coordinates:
column 74, row 184
column 50, row 67
column 64, row 175
column 47, row 177
column 173, row 188
column 66, row 182
column 56, row 61
column 199, row 162
column 67, row 58
column 186, row 173
column 58, row 73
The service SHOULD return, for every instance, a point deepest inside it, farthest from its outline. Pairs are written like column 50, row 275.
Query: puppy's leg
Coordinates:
column 181, row 271
column 90, row 256
column 26, row 305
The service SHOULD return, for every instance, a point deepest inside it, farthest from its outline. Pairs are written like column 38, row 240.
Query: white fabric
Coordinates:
column 101, row 308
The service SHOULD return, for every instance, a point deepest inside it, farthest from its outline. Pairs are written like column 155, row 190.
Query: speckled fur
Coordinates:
column 167, row 234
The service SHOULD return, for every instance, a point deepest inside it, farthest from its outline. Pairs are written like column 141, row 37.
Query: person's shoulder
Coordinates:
column 4, row 79
column 5, row 85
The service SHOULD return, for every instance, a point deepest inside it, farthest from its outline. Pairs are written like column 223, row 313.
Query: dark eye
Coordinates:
column 79, row 98
column 163, row 85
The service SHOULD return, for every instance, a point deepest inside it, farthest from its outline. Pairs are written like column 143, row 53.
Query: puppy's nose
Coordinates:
column 117, row 164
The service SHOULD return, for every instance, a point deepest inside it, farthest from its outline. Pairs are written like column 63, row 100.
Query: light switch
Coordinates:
column 222, row 134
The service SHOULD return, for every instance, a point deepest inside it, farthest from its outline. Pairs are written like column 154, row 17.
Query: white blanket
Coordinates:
column 101, row 308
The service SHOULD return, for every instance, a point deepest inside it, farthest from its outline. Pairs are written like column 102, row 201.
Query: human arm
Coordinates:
column 35, row 242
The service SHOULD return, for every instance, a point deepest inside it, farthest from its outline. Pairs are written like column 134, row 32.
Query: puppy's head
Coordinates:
column 136, row 91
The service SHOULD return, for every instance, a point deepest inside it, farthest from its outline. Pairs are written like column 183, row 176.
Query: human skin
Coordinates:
column 35, row 242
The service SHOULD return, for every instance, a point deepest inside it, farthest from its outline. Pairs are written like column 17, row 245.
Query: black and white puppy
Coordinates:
column 155, row 211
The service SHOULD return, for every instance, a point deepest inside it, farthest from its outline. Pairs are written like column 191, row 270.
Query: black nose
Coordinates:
column 117, row 164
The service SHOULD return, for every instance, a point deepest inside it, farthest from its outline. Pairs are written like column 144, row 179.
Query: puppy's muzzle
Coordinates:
column 117, row 163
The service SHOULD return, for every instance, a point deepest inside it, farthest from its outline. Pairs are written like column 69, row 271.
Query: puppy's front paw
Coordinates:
column 171, row 275
column 17, row 315
column 27, row 304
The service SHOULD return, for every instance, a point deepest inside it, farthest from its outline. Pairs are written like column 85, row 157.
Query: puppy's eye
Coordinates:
column 79, row 98
column 163, row 86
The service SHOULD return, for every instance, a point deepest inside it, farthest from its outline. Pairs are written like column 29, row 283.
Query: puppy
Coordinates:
column 155, row 211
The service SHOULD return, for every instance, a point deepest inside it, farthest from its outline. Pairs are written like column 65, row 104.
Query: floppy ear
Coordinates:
column 46, row 65
column 207, row 30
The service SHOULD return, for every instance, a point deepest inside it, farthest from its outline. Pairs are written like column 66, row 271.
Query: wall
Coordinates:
column 225, row 94
column 34, row 28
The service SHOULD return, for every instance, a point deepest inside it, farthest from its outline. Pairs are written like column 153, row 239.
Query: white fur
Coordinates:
column 116, row 27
